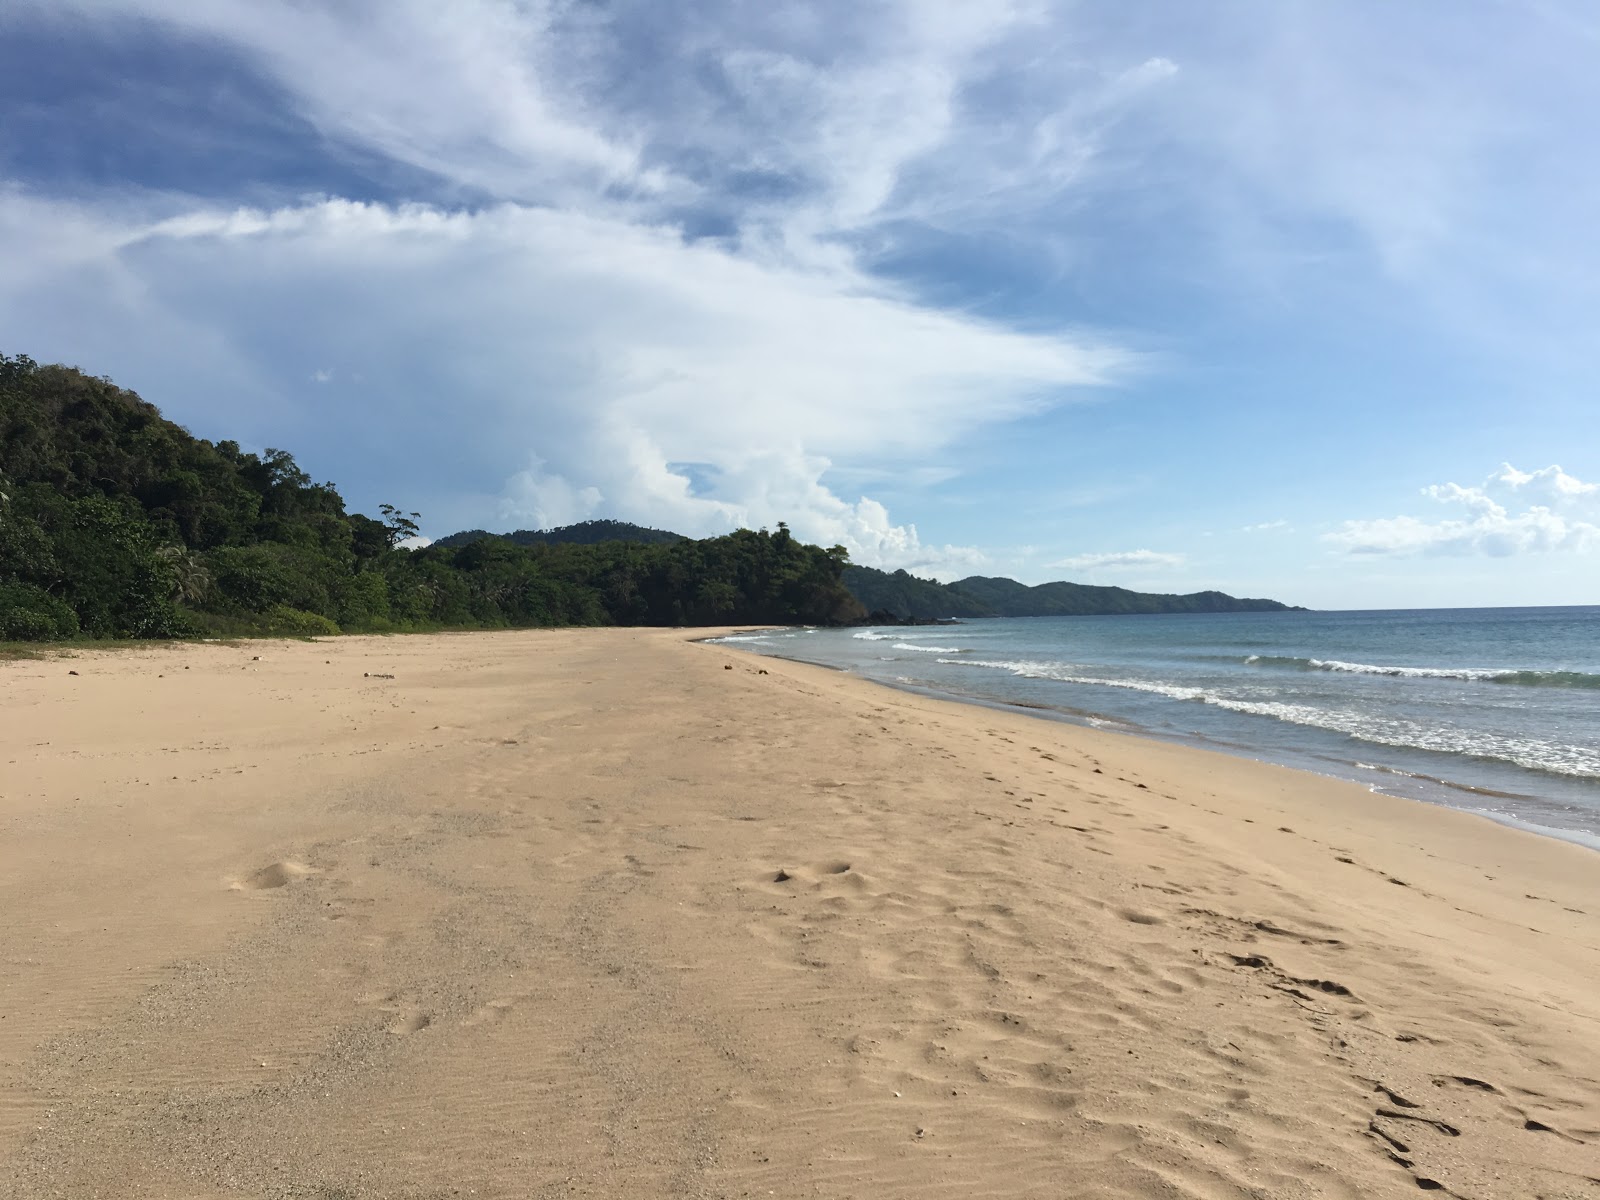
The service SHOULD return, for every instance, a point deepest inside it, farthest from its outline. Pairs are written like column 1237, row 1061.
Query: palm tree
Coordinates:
column 191, row 582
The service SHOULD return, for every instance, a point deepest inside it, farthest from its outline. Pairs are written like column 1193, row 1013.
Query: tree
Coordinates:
column 398, row 525
column 191, row 582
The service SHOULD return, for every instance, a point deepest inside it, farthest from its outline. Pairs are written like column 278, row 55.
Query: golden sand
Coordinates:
column 589, row 913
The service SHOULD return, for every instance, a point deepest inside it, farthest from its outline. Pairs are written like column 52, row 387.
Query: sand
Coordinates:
column 608, row 913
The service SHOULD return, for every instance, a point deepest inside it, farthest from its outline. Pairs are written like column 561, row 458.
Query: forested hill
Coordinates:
column 978, row 596
column 115, row 522
column 584, row 533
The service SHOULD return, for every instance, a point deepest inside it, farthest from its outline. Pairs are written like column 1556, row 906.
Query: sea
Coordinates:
column 1492, row 710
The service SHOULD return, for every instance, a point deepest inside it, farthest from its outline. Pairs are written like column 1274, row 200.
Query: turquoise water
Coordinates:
column 1492, row 710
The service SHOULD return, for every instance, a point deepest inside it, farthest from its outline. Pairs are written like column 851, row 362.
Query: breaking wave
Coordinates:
column 1536, row 754
column 1502, row 675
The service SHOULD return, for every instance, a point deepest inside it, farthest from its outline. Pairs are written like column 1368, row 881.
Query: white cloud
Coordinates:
column 1511, row 512
column 551, row 352
column 1119, row 560
column 469, row 91
column 1265, row 527
column 577, row 356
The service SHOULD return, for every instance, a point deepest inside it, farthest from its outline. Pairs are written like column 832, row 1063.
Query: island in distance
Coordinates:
column 899, row 595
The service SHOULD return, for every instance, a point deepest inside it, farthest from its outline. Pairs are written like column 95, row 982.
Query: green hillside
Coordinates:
column 1008, row 598
column 907, row 596
column 115, row 522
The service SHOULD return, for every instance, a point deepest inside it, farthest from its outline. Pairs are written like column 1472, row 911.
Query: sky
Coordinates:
column 1288, row 298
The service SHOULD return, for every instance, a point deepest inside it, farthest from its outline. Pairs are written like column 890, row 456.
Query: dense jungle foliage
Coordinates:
column 115, row 522
column 584, row 533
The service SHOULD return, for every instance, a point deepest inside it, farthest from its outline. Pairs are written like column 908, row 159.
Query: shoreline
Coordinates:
column 561, row 912
column 1420, row 791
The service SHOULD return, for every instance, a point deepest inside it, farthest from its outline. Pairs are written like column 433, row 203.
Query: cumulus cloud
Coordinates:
column 558, row 365
column 1123, row 559
column 1511, row 512
column 636, row 282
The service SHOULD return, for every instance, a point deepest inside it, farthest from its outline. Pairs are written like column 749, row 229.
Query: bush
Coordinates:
column 296, row 622
column 30, row 614
column 364, row 602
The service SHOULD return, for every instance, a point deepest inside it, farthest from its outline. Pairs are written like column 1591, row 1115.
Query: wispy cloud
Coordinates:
column 1121, row 560
column 1266, row 527
column 1511, row 512
column 472, row 92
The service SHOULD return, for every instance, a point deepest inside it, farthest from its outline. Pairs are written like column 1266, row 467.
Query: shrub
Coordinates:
column 296, row 622
column 30, row 614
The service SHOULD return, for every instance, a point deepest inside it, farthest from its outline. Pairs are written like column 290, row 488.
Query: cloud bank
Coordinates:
column 626, row 277
column 1512, row 512
column 568, row 365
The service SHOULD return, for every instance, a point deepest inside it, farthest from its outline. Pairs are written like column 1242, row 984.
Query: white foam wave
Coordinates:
column 1066, row 673
column 1537, row 754
column 737, row 637
column 871, row 635
column 929, row 649
column 1351, row 668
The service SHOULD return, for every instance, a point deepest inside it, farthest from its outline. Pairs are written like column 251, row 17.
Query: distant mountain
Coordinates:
column 982, row 596
column 585, row 533
column 1008, row 598
column 907, row 596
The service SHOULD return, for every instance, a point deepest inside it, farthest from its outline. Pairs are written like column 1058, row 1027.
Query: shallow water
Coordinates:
column 1495, row 710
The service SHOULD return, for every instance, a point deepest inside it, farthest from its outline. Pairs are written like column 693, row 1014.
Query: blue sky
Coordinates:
column 1294, row 299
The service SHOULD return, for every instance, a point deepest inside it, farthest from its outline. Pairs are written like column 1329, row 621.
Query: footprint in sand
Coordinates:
column 1138, row 918
column 494, row 1010
column 409, row 1023
column 405, row 1017
column 274, row 875
column 810, row 875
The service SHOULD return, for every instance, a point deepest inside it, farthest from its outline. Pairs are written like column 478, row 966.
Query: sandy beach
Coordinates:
column 612, row 913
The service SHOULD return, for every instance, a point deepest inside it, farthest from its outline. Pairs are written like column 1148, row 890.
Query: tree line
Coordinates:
column 117, row 523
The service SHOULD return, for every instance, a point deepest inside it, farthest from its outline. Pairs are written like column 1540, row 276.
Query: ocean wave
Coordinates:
column 1502, row 675
column 736, row 637
column 872, row 635
column 1066, row 673
column 930, row 649
column 1536, row 754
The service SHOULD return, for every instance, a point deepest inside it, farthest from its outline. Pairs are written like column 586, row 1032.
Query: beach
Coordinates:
column 616, row 913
